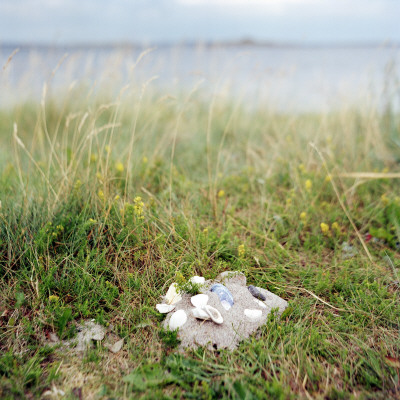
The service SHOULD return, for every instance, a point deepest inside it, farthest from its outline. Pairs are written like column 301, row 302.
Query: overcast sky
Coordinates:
column 318, row 21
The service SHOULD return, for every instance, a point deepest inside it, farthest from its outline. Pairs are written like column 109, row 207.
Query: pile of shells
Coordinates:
column 225, row 312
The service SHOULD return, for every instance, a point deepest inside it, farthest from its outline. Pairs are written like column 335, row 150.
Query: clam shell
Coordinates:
column 208, row 312
column 214, row 314
column 172, row 296
column 199, row 300
column 200, row 313
column 197, row 280
column 260, row 303
column 252, row 314
column 165, row 308
column 178, row 319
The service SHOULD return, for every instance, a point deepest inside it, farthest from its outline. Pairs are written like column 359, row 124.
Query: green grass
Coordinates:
column 76, row 243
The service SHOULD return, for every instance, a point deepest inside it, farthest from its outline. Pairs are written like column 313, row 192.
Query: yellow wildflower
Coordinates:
column 99, row 176
column 93, row 157
column 100, row 193
column 303, row 216
column 336, row 227
column 384, row 199
column 302, row 168
column 205, row 231
column 138, row 206
column 145, row 160
column 78, row 184
column 116, row 197
column 119, row 166
column 328, row 178
column 241, row 251
column 385, row 170
column 288, row 202
column 324, row 228
column 180, row 278
column 107, row 148
column 308, row 185
column 221, row 193
column 53, row 298
column 92, row 221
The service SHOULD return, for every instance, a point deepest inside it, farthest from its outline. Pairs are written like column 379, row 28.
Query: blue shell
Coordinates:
column 224, row 295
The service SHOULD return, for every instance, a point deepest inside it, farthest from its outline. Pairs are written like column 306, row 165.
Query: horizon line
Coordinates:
column 245, row 42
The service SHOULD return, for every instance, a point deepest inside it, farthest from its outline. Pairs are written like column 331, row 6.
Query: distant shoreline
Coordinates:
column 245, row 43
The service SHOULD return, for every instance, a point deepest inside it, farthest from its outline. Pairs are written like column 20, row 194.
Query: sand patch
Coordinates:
column 236, row 326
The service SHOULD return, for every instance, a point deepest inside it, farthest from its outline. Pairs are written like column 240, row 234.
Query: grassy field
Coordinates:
column 105, row 203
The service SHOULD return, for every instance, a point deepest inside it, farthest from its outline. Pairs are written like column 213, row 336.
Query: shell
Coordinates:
column 256, row 293
column 199, row 280
column 214, row 314
column 200, row 313
column 207, row 312
column 224, row 295
column 252, row 314
column 165, row 308
column 199, row 300
column 178, row 319
column 260, row 303
column 172, row 296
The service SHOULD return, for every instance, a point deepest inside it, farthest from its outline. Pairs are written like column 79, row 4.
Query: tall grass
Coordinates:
column 213, row 175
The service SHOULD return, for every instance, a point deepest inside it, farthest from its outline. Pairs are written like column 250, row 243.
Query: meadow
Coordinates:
column 106, row 199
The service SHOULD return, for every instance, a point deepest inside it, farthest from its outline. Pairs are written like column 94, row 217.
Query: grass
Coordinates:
column 104, row 204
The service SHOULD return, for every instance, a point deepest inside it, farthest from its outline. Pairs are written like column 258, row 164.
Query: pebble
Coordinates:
column 256, row 293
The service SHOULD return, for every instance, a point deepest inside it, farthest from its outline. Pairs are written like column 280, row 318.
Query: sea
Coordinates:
column 282, row 78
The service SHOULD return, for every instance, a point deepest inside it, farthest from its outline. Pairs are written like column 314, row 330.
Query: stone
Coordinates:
column 256, row 293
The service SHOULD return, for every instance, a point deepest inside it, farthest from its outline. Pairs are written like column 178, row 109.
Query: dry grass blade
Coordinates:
column 370, row 175
column 360, row 238
column 10, row 57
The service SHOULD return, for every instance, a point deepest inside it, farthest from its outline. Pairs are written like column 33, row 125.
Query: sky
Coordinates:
column 147, row 21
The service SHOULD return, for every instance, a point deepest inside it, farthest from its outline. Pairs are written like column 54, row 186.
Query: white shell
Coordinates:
column 177, row 320
column 165, row 308
column 199, row 300
column 252, row 314
column 260, row 303
column 197, row 279
column 214, row 314
column 172, row 296
column 200, row 313
column 208, row 312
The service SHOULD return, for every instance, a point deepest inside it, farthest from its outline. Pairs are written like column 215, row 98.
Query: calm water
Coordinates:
column 285, row 79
